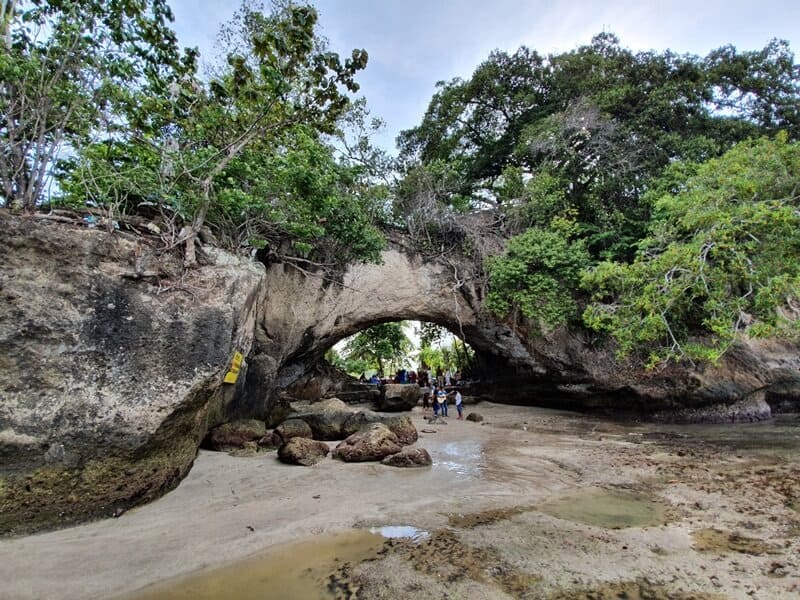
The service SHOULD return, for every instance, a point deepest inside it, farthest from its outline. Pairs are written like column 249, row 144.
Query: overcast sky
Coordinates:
column 412, row 44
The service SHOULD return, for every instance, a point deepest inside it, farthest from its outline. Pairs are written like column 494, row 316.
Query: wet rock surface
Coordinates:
column 490, row 505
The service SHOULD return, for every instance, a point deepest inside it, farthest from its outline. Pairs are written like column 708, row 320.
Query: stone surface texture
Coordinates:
column 397, row 397
column 303, row 451
column 409, row 458
column 372, row 443
column 235, row 434
column 109, row 381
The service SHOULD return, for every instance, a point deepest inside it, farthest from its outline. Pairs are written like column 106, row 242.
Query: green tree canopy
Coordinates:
column 67, row 67
column 379, row 345
column 722, row 260
column 601, row 121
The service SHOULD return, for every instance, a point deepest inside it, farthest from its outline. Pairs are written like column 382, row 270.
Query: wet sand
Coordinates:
column 720, row 504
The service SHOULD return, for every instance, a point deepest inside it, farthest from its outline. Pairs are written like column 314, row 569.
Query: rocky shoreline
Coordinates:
column 489, row 502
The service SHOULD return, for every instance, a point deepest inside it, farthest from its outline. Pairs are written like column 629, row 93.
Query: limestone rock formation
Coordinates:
column 234, row 434
column 409, row 458
column 112, row 359
column 303, row 451
column 110, row 377
column 399, row 396
column 289, row 429
column 373, row 443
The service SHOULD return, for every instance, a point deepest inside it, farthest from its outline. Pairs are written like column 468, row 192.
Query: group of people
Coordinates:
column 438, row 397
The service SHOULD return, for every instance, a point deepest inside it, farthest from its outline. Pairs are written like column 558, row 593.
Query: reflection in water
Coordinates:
column 401, row 531
column 462, row 458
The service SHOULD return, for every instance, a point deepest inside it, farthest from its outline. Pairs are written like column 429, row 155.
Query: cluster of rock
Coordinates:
column 364, row 435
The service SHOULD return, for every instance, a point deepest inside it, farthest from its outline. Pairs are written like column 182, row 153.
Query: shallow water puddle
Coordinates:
column 298, row 570
column 612, row 509
column 464, row 458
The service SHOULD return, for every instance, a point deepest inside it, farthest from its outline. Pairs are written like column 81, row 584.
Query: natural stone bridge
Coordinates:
column 112, row 360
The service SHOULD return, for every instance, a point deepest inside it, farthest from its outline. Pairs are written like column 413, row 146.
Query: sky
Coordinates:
column 412, row 44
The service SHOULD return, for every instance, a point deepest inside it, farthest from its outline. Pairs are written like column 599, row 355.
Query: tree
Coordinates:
column 721, row 263
column 379, row 344
column 214, row 148
column 65, row 66
column 601, row 120
column 537, row 275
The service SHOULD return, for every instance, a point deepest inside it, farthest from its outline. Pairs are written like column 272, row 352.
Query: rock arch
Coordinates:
column 302, row 316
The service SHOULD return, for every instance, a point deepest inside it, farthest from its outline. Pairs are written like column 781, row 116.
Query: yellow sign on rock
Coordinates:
column 233, row 374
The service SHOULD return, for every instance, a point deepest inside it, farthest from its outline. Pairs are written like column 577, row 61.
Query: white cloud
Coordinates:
column 414, row 43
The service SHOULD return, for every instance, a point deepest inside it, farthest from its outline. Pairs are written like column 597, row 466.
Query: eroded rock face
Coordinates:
column 109, row 380
column 303, row 451
column 373, row 443
column 409, row 458
column 235, row 434
column 399, row 396
column 564, row 368
column 112, row 360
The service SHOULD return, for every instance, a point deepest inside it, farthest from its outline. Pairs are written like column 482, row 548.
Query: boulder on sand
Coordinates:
column 289, row 429
column 399, row 396
column 326, row 419
column 400, row 425
column 303, row 451
column 409, row 458
column 233, row 435
column 373, row 443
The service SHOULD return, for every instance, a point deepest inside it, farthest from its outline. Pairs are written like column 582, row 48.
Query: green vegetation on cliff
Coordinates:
column 656, row 193
column 244, row 149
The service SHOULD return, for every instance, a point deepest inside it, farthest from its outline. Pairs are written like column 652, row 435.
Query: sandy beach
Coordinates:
column 728, row 526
